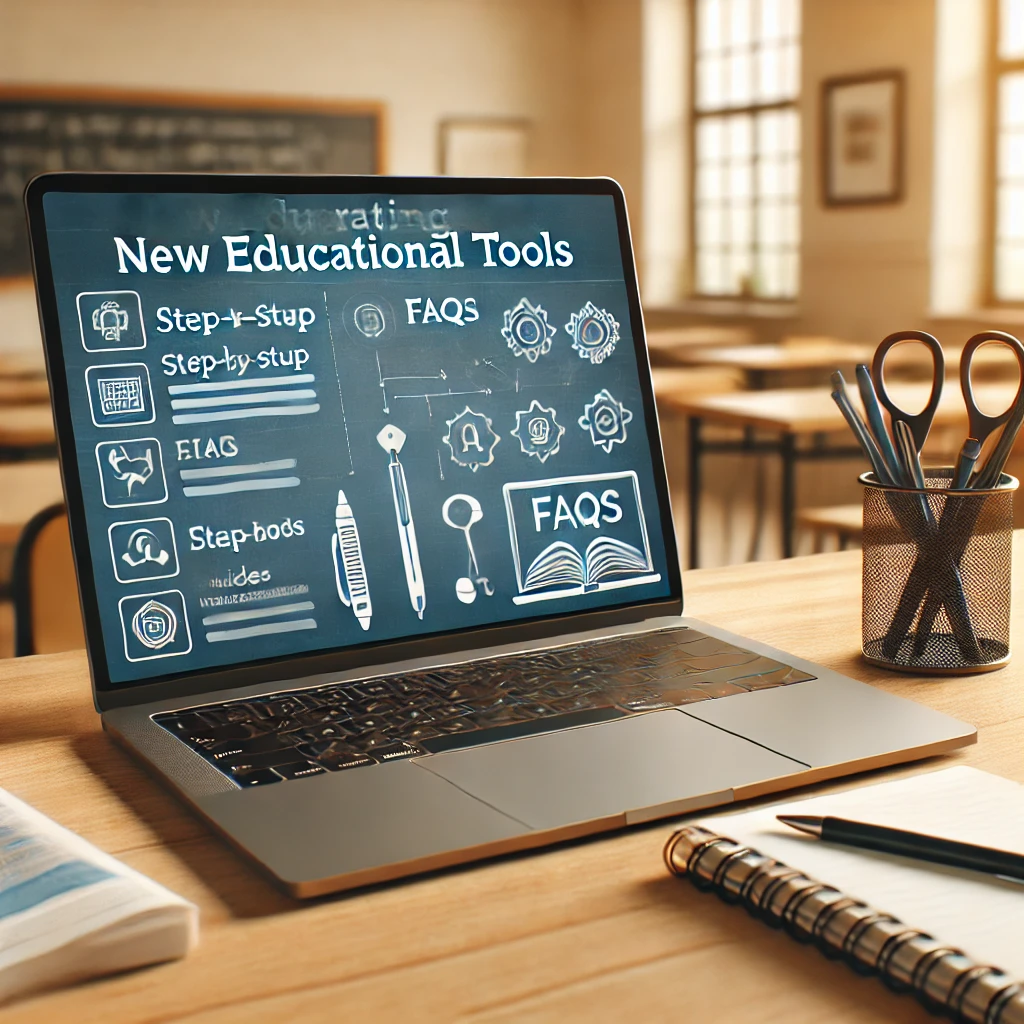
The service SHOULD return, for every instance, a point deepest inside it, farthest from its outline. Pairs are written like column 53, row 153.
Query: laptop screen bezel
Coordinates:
column 196, row 682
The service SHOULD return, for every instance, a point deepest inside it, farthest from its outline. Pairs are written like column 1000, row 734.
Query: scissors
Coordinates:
column 948, row 543
column 980, row 425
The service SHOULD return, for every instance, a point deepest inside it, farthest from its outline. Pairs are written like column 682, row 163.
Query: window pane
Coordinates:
column 1009, row 283
column 772, row 15
column 740, row 84
column 1011, row 155
column 1011, row 100
column 710, row 274
column 709, row 25
column 710, row 139
column 740, row 132
column 711, row 83
column 769, row 74
column 710, row 183
column 1011, row 28
column 745, row 193
column 711, row 226
column 741, row 23
column 1010, row 217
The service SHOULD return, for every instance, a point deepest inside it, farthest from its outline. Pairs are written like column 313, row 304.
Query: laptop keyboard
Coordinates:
column 337, row 726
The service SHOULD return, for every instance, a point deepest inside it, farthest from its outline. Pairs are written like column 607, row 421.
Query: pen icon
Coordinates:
column 349, row 570
column 391, row 439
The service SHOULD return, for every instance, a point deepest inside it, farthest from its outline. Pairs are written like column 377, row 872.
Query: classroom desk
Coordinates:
column 759, row 362
column 794, row 415
column 665, row 344
column 25, row 489
column 26, row 431
column 594, row 930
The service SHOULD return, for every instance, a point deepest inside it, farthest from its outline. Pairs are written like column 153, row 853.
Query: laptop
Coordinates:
column 372, row 529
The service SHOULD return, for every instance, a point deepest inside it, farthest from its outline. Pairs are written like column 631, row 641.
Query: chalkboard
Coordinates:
column 45, row 130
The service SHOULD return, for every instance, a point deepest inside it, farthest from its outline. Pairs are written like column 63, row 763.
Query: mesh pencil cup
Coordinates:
column 936, row 584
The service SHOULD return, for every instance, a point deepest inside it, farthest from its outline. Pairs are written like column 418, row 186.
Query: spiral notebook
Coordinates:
column 953, row 938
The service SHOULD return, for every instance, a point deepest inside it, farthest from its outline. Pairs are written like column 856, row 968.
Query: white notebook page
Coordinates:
column 981, row 914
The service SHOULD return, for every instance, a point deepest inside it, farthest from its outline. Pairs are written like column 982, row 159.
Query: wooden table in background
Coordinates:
column 664, row 344
column 595, row 930
column 793, row 414
column 25, row 489
column 26, row 431
column 760, row 362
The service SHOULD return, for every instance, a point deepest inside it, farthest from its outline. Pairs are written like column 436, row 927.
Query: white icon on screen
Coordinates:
column 120, row 394
column 144, row 546
column 110, row 320
column 369, row 320
column 154, row 625
column 143, row 549
column 131, row 472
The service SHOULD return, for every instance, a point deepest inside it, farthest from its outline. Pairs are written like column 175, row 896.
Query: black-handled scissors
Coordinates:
column 981, row 425
column 920, row 423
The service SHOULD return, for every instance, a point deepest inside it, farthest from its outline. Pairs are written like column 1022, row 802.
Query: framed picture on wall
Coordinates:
column 490, row 147
column 862, row 139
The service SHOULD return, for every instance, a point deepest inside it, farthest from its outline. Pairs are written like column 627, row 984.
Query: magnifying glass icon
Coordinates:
column 460, row 512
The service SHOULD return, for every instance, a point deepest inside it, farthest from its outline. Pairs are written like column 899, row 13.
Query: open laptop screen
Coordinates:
column 306, row 422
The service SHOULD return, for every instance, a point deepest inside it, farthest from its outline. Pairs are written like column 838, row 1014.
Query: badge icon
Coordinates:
column 527, row 330
column 120, row 394
column 154, row 625
column 111, row 321
column 369, row 320
column 538, row 431
column 471, row 439
column 594, row 333
column 131, row 472
column 606, row 420
column 143, row 550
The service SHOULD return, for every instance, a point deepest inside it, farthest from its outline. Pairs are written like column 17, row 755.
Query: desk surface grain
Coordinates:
column 592, row 930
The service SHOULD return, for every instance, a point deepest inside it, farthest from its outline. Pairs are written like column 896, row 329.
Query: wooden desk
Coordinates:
column 593, row 931
column 759, row 362
column 24, row 391
column 795, row 414
column 664, row 344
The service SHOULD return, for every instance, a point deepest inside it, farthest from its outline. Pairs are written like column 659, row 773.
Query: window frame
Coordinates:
column 696, row 116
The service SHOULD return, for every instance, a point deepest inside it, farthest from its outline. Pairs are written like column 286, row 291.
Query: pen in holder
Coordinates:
column 936, row 585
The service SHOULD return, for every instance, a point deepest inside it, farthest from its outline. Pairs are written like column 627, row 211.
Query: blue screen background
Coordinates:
column 361, row 366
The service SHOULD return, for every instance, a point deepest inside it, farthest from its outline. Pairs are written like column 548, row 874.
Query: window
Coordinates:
column 1008, row 162
column 746, row 148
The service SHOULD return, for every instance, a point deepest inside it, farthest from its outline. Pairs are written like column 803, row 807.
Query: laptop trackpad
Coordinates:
column 660, row 763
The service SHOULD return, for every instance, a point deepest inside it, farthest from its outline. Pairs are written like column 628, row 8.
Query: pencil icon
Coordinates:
column 391, row 439
column 349, row 570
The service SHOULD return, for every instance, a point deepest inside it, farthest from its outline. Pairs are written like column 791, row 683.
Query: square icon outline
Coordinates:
column 122, row 423
column 141, row 522
column 160, row 459
column 124, row 630
column 120, row 348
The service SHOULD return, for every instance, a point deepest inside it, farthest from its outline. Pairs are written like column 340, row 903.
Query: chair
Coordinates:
column 47, row 613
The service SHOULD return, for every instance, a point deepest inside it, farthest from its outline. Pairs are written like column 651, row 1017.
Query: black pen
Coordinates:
column 908, row 844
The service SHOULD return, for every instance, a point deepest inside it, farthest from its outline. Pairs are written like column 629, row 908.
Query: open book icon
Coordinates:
column 576, row 535
column 560, row 564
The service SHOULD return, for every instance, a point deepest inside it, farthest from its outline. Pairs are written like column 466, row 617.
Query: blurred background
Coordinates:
column 803, row 178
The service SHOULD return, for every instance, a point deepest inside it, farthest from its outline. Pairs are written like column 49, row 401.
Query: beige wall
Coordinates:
column 865, row 269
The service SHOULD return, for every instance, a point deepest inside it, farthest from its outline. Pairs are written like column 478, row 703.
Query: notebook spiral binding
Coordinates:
column 942, row 978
